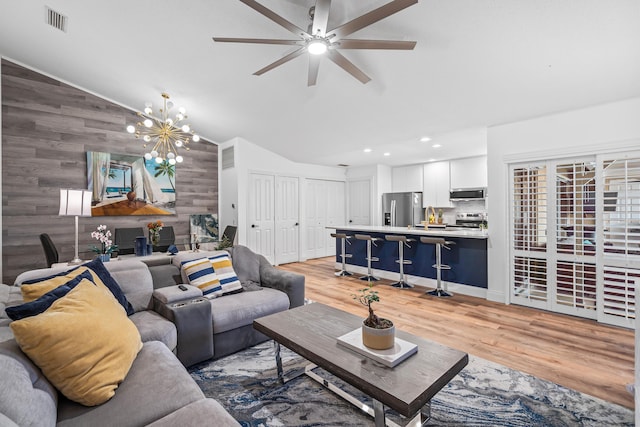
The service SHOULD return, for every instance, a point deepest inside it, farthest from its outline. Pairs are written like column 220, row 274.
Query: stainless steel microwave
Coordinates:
column 468, row 194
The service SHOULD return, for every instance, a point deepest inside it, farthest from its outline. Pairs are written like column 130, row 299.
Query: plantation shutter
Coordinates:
column 528, row 202
column 575, row 225
column 620, row 213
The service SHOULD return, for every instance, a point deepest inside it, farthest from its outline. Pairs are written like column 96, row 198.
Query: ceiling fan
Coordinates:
column 317, row 41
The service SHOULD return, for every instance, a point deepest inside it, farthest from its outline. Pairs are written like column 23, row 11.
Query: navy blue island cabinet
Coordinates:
column 467, row 256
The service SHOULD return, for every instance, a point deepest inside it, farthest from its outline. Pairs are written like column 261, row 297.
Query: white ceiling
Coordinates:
column 477, row 63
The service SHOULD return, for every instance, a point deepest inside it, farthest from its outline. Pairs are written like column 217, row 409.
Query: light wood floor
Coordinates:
column 577, row 353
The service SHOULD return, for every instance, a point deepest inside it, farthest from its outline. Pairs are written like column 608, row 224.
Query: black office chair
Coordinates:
column 50, row 251
column 167, row 238
column 229, row 233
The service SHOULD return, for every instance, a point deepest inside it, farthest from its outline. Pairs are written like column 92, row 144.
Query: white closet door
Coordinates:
column 261, row 222
column 287, row 220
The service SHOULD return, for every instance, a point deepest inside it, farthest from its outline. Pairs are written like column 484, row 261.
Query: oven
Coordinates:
column 471, row 219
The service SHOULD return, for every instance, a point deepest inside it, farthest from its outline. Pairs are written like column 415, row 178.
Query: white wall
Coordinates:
column 251, row 158
column 608, row 127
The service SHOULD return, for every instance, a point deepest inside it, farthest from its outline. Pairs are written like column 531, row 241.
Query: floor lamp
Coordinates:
column 75, row 203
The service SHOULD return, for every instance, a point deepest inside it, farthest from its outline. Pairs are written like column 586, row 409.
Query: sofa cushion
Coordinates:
column 236, row 310
column 35, row 288
column 157, row 384
column 205, row 412
column 200, row 274
column 26, row 396
column 135, row 280
column 154, row 327
column 246, row 263
column 84, row 343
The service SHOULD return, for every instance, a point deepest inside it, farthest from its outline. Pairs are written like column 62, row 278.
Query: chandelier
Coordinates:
column 164, row 135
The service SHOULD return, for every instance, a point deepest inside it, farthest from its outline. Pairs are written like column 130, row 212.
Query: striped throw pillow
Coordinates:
column 200, row 273
column 223, row 268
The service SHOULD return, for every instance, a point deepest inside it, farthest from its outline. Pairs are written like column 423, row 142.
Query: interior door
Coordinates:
column 359, row 202
column 261, row 222
column 315, row 218
column 335, row 213
column 287, row 220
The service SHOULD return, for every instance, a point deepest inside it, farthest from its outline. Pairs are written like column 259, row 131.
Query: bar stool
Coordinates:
column 439, row 242
column 402, row 242
column 370, row 241
column 343, row 254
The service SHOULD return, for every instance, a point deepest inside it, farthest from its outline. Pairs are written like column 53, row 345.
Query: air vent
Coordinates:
column 228, row 158
column 342, row 165
column 55, row 19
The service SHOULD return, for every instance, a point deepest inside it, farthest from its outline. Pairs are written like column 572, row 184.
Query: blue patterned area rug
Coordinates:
column 483, row 394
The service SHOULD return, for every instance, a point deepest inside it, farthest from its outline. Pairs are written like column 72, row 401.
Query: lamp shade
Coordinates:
column 75, row 202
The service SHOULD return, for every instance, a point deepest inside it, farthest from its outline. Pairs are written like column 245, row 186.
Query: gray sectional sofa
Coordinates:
column 157, row 390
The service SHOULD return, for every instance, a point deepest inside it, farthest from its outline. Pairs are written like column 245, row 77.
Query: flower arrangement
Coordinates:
column 154, row 231
column 104, row 237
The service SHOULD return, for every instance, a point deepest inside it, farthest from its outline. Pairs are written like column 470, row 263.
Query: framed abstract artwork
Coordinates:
column 204, row 228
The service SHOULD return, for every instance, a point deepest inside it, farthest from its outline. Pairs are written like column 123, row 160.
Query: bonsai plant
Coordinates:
column 377, row 333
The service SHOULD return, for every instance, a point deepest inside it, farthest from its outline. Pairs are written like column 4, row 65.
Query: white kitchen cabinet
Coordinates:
column 406, row 178
column 435, row 191
column 469, row 173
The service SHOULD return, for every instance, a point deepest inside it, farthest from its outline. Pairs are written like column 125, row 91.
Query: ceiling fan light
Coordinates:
column 317, row 47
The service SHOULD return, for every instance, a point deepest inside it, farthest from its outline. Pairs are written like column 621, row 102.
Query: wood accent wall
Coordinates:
column 47, row 128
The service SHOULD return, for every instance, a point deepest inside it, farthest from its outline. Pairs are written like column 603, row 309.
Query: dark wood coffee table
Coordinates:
column 312, row 330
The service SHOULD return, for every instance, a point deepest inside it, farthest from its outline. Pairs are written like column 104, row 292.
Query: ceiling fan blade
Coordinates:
column 371, row 17
column 347, row 65
column 259, row 41
column 375, row 44
column 321, row 17
column 314, row 65
column 276, row 18
column 281, row 61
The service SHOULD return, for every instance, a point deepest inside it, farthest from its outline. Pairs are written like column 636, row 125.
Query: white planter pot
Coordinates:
column 378, row 339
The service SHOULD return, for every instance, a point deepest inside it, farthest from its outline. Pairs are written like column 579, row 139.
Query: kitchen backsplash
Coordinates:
column 473, row 206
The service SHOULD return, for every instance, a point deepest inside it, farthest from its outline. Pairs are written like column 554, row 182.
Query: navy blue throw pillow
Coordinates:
column 33, row 308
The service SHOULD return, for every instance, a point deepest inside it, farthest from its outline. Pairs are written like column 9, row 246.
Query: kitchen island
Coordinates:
column 467, row 256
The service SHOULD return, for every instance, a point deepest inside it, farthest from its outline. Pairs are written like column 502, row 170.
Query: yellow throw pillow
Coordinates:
column 84, row 343
column 33, row 291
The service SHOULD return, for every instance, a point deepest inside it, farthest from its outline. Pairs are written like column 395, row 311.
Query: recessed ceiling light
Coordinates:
column 387, row 154
column 436, row 146
column 367, row 150
column 425, row 139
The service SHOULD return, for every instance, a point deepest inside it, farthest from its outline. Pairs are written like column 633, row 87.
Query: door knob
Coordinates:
column 296, row 224
column 253, row 226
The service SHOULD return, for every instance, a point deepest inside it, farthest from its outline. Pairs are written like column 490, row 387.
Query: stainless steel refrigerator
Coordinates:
column 402, row 209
